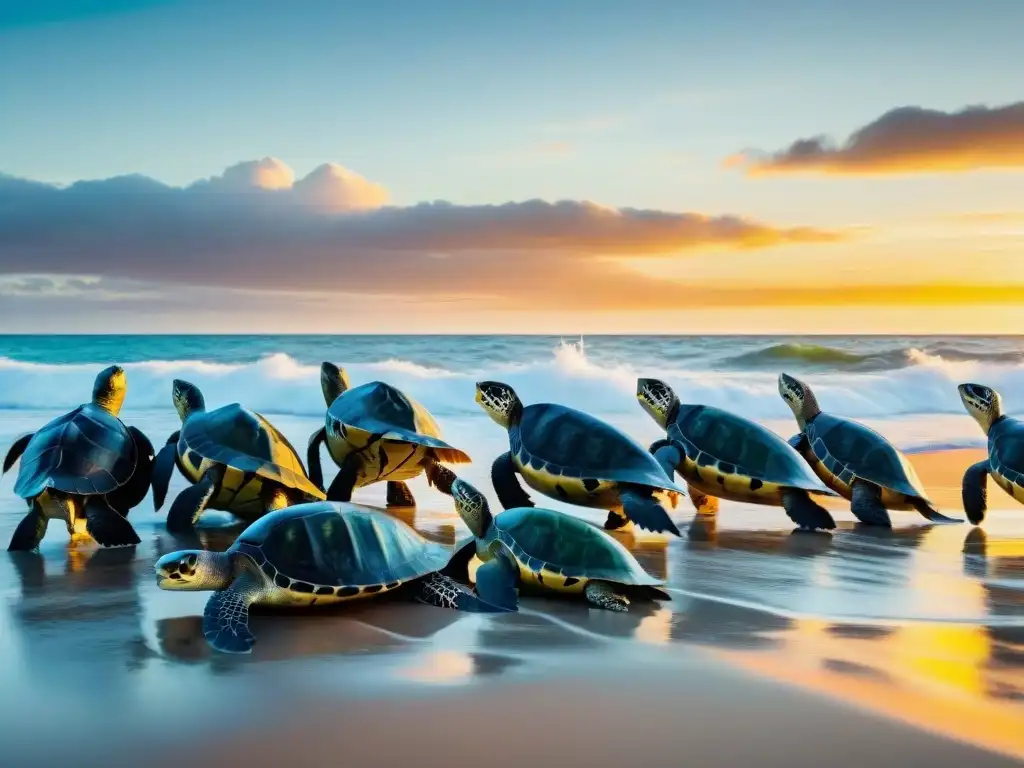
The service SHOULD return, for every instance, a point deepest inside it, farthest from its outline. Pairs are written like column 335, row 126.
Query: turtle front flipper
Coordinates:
column 106, row 525
column 226, row 618
column 804, row 511
column 189, row 506
column 928, row 512
column 603, row 595
column 506, row 484
column 642, row 508
column 615, row 521
column 30, row 530
column 163, row 466
column 15, row 451
column 316, row 472
column 345, row 481
column 131, row 494
column 445, row 592
column 974, row 491
column 668, row 455
column 399, row 494
column 496, row 582
column 866, row 504
column 703, row 503
column 799, row 442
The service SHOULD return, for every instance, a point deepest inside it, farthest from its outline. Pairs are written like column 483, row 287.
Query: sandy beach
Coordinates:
column 859, row 647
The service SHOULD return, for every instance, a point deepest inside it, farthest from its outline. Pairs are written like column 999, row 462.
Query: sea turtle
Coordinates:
column 722, row 455
column 375, row 432
column 235, row 458
column 545, row 550
column 574, row 457
column 1005, row 460
column 313, row 554
column 855, row 461
column 86, row 468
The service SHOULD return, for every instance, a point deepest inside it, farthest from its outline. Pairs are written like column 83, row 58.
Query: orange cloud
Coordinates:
column 925, row 295
column 906, row 140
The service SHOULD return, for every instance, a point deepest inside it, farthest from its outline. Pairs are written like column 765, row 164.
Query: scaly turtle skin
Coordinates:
column 724, row 456
column 236, row 459
column 375, row 432
column 855, row 461
column 85, row 468
column 314, row 554
column 576, row 458
column 1005, row 462
column 545, row 550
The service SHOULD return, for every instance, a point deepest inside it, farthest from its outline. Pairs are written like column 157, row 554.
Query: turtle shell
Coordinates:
column 577, row 444
column 850, row 450
column 542, row 538
column 737, row 445
column 87, row 452
column 339, row 545
column 243, row 439
column 381, row 409
column 1006, row 450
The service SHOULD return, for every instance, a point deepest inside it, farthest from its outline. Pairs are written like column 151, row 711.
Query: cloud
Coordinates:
column 906, row 140
column 255, row 227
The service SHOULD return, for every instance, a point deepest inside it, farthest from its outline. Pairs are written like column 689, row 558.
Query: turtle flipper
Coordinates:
column 615, row 521
column 974, row 491
column 131, row 494
column 345, row 480
column 316, row 472
column 642, row 508
column 30, row 530
column 603, row 595
column 496, row 583
column 399, row 494
column 108, row 526
column 799, row 442
column 163, row 466
column 701, row 501
column 15, row 451
column 226, row 618
column 190, row 503
column 668, row 455
column 867, row 506
column 458, row 566
column 445, row 592
column 506, row 485
column 438, row 475
column 804, row 511
column 931, row 513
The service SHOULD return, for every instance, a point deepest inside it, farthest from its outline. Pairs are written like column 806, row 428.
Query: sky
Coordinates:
column 574, row 167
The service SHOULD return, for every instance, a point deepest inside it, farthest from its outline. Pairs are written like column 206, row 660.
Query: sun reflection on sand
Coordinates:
column 440, row 667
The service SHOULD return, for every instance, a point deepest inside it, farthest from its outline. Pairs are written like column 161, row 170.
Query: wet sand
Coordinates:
column 863, row 647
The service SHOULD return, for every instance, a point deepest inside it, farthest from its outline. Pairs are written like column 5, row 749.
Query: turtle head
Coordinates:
column 657, row 398
column 109, row 389
column 333, row 381
column 500, row 402
column 800, row 399
column 983, row 403
column 194, row 570
column 187, row 398
column 472, row 507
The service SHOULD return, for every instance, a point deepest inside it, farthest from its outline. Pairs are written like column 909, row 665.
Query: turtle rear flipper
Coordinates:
column 163, row 466
column 190, row 503
column 30, row 530
column 643, row 509
column 974, row 491
column 106, row 525
column 226, row 617
column 928, row 512
column 15, row 451
column 444, row 592
column 604, row 595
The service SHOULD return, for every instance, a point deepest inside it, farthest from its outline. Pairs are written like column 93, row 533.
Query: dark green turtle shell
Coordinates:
column 546, row 539
column 243, row 439
column 338, row 548
column 713, row 437
column 850, row 450
column 381, row 409
column 87, row 452
column 576, row 444
column 1006, row 449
